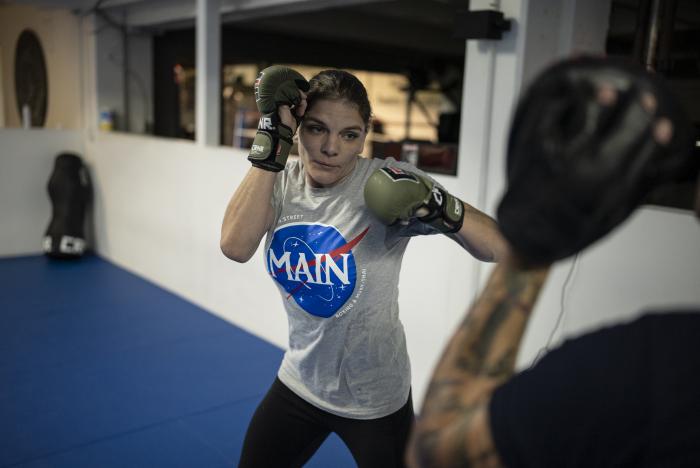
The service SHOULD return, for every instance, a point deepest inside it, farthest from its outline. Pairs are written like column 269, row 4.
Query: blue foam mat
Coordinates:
column 101, row 368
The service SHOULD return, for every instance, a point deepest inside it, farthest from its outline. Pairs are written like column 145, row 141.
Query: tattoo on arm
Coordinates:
column 453, row 429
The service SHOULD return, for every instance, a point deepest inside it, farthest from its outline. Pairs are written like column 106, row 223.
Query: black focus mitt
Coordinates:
column 584, row 151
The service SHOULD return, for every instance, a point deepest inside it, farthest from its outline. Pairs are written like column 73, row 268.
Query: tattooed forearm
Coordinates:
column 437, row 447
column 479, row 357
column 491, row 334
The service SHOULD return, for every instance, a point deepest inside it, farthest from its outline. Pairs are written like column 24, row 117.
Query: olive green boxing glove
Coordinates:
column 275, row 86
column 395, row 195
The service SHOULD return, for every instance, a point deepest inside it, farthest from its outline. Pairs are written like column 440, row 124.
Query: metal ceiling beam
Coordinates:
column 367, row 29
column 148, row 13
column 161, row 12
column 240, row 10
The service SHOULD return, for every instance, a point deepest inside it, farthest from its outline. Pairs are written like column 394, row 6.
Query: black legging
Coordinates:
column 286, row 431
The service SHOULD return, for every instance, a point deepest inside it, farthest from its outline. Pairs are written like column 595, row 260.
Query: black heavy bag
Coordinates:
column 70, row 191
column 577, row 166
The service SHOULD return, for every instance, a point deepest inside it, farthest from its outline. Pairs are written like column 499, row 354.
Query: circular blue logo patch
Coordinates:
column 315, row 265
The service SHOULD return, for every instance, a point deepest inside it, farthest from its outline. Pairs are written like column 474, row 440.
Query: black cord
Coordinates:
column 545, row 348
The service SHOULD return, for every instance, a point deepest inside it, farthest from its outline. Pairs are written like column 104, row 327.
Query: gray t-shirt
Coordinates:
column 337, row 268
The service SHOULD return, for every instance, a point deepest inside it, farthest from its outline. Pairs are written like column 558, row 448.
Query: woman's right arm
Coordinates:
column 249, row 213
column 248, row 216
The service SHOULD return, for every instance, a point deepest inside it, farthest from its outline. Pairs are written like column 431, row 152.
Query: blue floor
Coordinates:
column 99, row 368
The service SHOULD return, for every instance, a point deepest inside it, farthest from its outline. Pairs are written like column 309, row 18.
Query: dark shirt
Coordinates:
column 623, row 396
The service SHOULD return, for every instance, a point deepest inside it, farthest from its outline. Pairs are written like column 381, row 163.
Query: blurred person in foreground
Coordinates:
column 591, row 139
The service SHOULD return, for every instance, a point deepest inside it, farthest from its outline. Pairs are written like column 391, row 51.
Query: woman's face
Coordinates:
column 331, row 137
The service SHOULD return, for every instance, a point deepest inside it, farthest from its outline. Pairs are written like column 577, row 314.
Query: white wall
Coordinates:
column 26, row 163
column 159, row 205
column 651, row 261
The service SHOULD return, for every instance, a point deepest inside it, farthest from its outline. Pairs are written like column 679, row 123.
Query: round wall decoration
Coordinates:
column 31, row 84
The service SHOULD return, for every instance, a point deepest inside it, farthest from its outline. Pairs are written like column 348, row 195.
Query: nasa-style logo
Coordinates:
column 315, row 265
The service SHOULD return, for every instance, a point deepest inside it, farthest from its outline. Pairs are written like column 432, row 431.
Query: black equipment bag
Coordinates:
column 70, row 191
